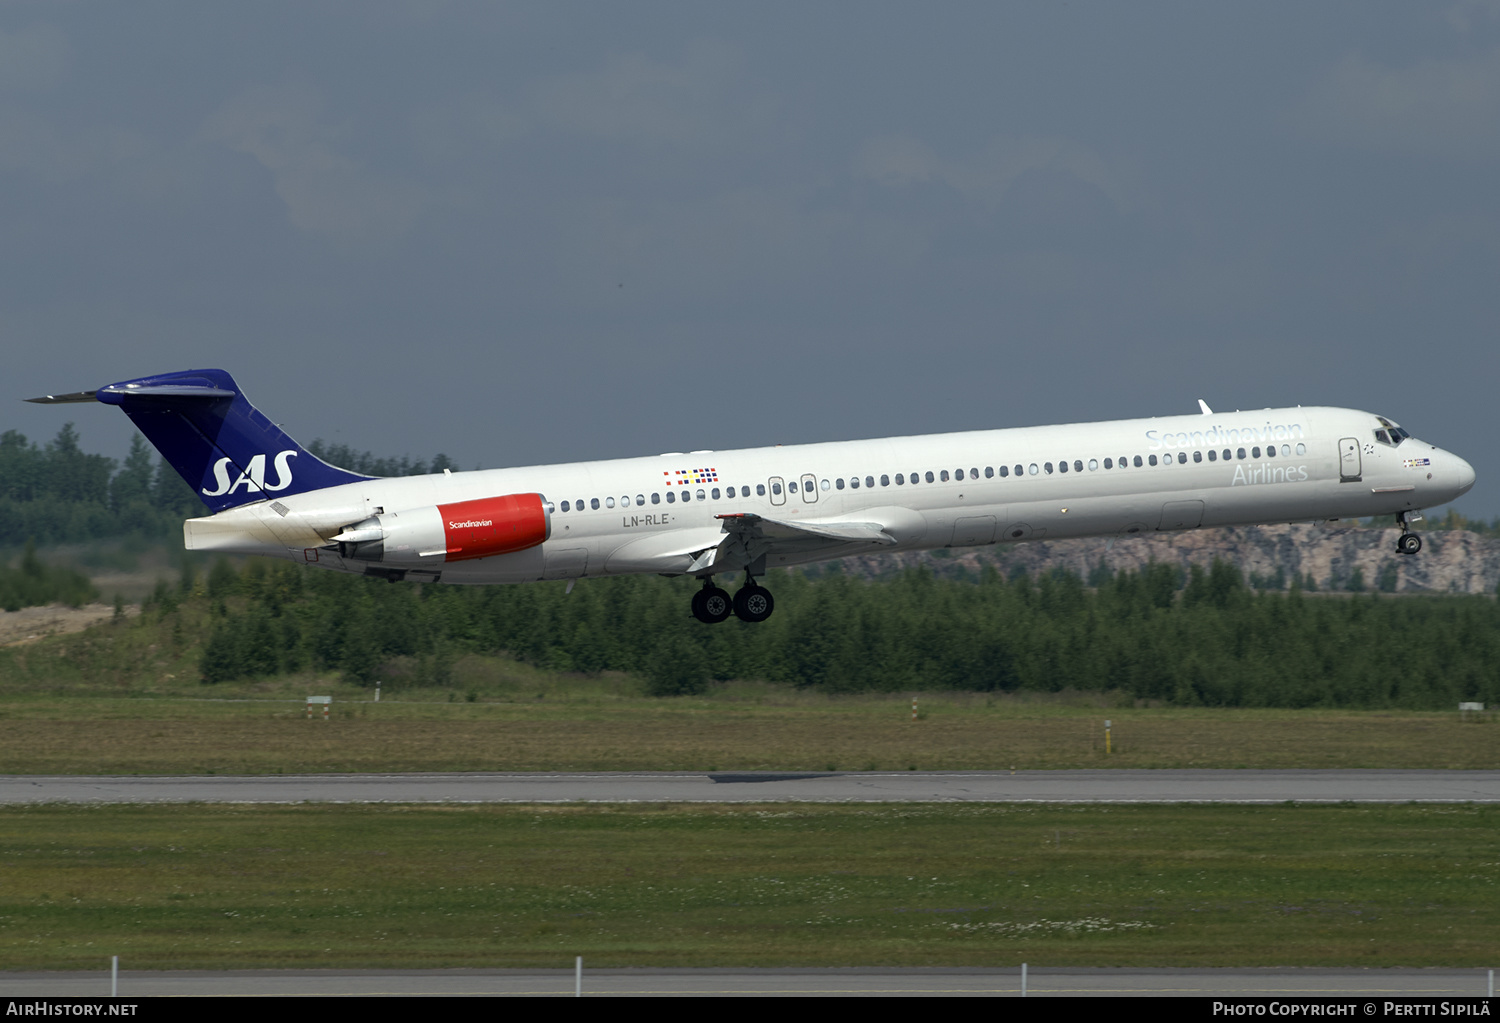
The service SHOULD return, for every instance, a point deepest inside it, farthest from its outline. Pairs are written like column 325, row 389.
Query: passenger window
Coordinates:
column 671, row 497
column 989, row 472
column 1182, row 458
column 900, row 479
column 885, row 481
column 715, row 493
column 1018, row 470
column 700, row 495
column 1213, row 455
column 870, row 481
column 640, row 498
column 1062, row 466
column 929, row 476
column 1138, row 461
column 1286, row 449
column 760, row 490
column 687, row 495
column 1270, row 450
column 775, row 488
column 854, row 482
column 1197, row 456
column 1077, row 465
column 609, row 502
column 792, row 486
column 594, row 503
column 824, row 484
column 958, row 474
column 973, row 474
column 565, row 506
column 839, row 483
column 1255, row 452
column 1301, row 449
column 656, row 498
column 1004, row 471
column 944, row 476
column 1047, row 466
column 625, row 501
column 1093, row 464
column 1151, row 459
column 1109, row 463
column 1032, row 470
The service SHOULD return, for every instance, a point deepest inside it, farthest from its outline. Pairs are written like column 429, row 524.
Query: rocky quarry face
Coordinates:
column 1336, row 557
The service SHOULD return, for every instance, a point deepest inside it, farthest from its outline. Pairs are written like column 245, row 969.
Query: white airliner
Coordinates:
column 708, row 513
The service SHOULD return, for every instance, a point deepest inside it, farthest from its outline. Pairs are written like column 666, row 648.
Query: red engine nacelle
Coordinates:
column 494, row 525
column 440, row 533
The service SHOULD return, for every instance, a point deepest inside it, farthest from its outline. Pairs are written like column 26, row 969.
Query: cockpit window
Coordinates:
column 1393, row 434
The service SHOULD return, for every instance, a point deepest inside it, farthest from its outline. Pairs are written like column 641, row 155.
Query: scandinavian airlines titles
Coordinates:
column 1217, row 435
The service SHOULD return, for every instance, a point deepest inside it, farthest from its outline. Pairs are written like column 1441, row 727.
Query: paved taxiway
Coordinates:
column 742, row 787
column 1358, row 985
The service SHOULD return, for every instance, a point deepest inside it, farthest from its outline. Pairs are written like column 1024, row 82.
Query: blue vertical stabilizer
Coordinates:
column 228, row 452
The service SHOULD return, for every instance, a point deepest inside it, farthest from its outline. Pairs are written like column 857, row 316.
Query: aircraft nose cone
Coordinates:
column 1463, row 474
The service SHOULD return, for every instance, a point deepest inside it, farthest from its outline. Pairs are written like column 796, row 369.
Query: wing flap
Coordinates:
column 780, row 529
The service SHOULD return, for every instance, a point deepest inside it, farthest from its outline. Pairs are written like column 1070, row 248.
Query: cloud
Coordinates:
column 453, row 130
column 898, row 160
column 32, row 144
column 1467, row 14
column 326, row 193
column 1440, row 108
column 635, row 99
column 34, row 59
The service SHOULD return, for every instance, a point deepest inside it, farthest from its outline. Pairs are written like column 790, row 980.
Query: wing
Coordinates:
column 750, row 538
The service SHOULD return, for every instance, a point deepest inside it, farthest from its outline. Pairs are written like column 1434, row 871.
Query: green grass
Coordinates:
column 980, row 885
column 560, row 723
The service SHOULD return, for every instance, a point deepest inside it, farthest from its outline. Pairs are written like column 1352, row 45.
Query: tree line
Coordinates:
column 56, row 493
column 1196, row 638
column 32, row 583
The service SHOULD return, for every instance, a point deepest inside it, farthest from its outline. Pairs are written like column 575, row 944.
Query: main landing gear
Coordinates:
column 752, row 603
column 1408, row 542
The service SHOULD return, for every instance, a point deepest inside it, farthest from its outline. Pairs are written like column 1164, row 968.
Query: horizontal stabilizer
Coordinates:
column 113, row 393
column 65, row 399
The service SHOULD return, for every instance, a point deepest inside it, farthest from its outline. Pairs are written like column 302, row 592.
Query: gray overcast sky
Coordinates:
column 545, row 232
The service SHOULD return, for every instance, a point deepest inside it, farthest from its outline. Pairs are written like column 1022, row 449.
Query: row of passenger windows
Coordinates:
column 943, row 476
column 673, row 496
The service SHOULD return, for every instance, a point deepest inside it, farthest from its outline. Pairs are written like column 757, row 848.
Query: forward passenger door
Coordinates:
column 1349, row 461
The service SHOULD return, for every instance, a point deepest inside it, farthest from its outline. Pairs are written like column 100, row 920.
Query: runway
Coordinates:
column 759, row 787
column 1285, row 984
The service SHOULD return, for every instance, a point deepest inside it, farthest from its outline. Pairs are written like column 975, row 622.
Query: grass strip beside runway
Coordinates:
column 600, row 725
column 218, row 887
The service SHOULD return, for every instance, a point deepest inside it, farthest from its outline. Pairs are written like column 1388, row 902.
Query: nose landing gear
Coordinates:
column 1408, row 542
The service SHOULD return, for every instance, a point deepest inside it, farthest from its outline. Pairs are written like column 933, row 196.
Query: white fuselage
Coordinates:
column 1327, row 463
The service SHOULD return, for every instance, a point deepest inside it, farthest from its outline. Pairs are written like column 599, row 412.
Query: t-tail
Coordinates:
column 206, row 429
